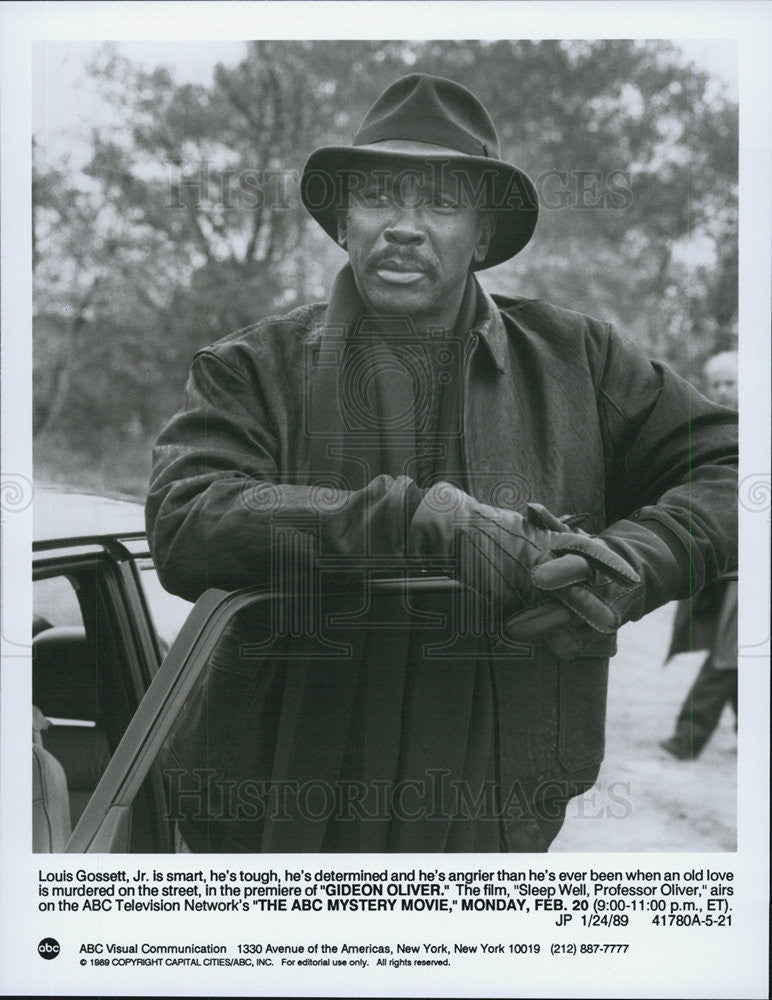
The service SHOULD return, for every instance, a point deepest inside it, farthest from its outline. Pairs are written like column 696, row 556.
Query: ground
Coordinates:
column 646, row 800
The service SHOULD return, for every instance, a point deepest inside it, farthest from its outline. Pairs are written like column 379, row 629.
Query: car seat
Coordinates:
column 51, row 825
column 65, row 687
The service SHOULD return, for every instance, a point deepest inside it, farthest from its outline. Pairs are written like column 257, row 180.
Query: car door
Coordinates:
column 326, row 629
column 106, row 821
column 94, row 652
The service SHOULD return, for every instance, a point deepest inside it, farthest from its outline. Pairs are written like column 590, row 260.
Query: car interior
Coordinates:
column 66, row 688
column 84, row 691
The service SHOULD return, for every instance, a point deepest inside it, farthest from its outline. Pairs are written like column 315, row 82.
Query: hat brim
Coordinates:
column 510, row 195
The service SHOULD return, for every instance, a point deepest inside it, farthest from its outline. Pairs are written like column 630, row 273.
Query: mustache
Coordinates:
column 405, row 260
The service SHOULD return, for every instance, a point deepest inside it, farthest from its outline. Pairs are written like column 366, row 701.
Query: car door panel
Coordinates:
column 200, row 656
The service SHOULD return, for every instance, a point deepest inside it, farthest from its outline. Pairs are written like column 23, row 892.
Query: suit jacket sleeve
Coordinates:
column 218, row 502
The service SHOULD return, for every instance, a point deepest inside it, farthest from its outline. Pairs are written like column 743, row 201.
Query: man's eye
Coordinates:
column 375, row 198
column 444, row 201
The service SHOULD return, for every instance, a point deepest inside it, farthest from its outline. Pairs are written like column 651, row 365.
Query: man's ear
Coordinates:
column 342, row 229
column 484, row 236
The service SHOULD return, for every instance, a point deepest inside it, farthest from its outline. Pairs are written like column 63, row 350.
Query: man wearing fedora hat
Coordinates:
column 416, row 422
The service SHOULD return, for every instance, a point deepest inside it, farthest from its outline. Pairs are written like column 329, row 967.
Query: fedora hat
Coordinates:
column 422, row 119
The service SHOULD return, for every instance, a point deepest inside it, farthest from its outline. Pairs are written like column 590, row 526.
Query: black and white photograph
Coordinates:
column 383, row 507
column 451, row 484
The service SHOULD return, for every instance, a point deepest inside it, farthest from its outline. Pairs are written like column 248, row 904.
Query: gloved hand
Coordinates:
column 583, row 600
column 508, row 557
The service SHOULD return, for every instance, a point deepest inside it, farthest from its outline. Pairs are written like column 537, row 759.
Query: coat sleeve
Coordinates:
column 219, row 510
column 671, row 462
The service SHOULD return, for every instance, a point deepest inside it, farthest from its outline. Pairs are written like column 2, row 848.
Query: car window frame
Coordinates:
column 119, row 593
column 149, row 727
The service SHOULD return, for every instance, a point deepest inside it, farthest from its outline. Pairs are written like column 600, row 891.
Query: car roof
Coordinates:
column 59, row 513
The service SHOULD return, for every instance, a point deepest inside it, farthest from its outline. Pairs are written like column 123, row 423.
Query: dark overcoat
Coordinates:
column 300, row 419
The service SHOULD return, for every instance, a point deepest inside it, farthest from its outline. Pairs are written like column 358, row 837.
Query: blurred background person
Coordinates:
column 709, row 620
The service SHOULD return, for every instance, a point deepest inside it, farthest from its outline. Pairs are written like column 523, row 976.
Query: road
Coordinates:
column 644, row 799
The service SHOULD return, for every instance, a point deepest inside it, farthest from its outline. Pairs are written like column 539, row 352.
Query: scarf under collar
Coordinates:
column 376, row 385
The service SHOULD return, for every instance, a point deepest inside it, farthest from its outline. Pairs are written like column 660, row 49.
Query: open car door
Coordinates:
column 199, row 700
column 104, row 826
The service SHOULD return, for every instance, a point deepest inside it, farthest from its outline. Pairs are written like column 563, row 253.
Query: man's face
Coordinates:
column 412, row 235
column 721, row 378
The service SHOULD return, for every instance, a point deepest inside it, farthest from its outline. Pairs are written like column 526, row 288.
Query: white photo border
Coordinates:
column 706, row 966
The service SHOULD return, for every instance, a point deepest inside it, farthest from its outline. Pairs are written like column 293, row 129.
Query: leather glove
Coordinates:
column 507, row 557
column 583, row 600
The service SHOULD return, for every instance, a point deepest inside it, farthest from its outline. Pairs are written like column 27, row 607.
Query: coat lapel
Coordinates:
column 497, row 470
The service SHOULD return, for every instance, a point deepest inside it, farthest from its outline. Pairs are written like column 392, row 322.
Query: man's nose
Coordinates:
column 405, row 226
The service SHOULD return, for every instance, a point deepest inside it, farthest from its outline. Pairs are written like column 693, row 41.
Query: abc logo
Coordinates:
column 48, row 948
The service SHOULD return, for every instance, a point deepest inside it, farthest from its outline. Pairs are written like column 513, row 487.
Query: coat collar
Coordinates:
column 346, row 307
column 490, row 327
